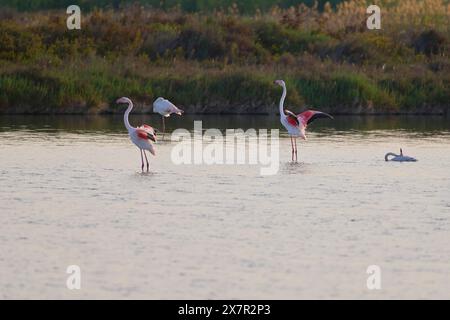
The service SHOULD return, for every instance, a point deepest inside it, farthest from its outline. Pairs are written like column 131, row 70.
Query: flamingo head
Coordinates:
column 178, row 111
column 123, row 100
column 152, row 137
column 279, row 82
column 155, row 131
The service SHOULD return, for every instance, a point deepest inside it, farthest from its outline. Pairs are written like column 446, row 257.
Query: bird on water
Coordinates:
column 296, row 124
column 143, row 136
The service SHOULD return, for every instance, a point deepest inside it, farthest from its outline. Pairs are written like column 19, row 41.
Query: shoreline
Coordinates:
column 216, row 108
column 139, row 110
column 227, row 63
column 338, row 114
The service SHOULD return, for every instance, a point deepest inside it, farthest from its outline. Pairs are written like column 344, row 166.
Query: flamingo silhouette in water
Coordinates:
column 398, row 157
column 165, row 108
column 142, row 136
column 296, row 124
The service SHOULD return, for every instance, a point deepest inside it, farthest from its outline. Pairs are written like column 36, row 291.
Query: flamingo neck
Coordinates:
column 390, row 154
column 282, row 101
column 125, row 116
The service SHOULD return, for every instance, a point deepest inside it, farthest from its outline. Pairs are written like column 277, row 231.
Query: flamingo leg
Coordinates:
column 142, row 161
column 146, row 160
column 295, row 144
column 292, row 149
column 163, row 127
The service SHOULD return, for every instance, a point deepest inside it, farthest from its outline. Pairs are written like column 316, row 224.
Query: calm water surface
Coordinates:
column 71, row 193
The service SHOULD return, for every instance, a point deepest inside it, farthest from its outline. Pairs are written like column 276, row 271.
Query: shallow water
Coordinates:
column 72, row 193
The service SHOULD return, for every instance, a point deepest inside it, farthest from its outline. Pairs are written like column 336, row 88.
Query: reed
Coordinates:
column 224, row 61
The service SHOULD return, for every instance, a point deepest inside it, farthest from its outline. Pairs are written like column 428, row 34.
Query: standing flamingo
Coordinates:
column 165, row 108
column 296, row 124
column 141, row 136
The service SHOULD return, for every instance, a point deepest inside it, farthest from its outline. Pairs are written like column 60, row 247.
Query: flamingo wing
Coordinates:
column 309, row 116
column 146, row 132
column 291, row 118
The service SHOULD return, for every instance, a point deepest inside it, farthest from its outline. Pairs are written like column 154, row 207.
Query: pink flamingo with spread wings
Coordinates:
column 142, row 136
column 296, row 124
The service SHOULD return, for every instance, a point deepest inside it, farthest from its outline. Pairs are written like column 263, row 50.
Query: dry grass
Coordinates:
column 224, row 60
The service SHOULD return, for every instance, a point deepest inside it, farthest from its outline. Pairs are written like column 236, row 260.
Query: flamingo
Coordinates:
column 142, row 136
column 399, row 158
column 296, row 124
column 165, row 108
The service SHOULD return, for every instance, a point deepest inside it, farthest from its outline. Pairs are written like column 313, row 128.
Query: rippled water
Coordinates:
column 71, row 193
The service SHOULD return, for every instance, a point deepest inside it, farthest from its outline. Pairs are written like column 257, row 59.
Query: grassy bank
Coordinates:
column 225, row 62
column 248, row 7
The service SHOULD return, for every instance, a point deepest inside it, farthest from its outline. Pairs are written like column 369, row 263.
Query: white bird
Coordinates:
column 165, row 108
column 398, row 157
column 142, row 136
column 296, row 124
